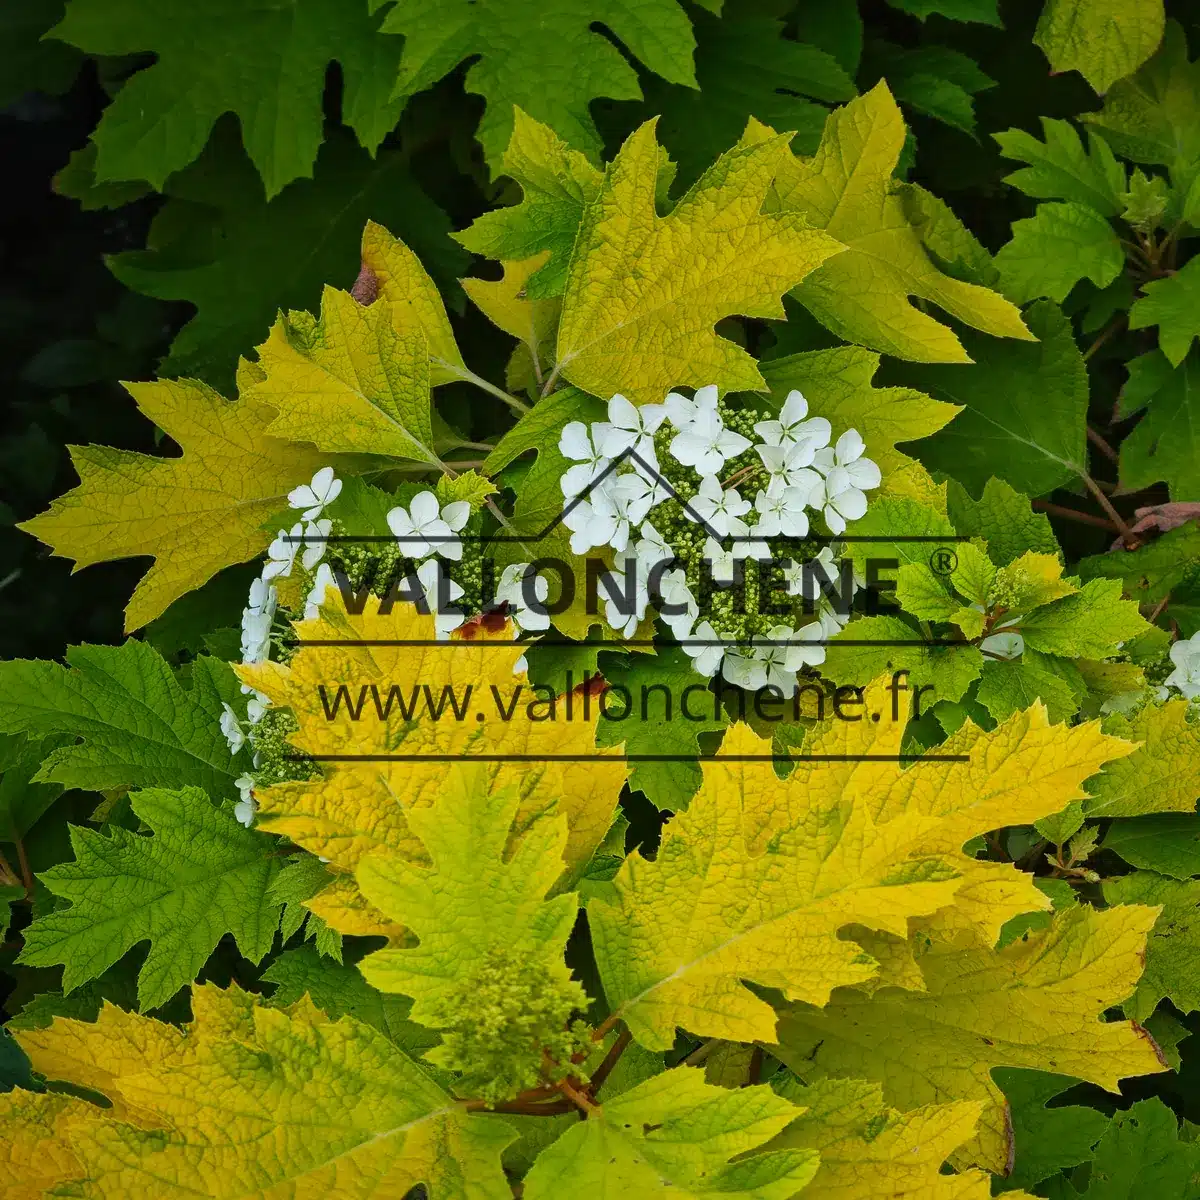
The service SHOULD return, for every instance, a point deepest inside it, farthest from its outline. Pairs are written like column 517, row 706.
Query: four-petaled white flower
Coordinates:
column 256, row 707
column 322, row 582
column 424, row 528
column 721, row 509
column 516, row 588
column 576, row 443
column 257, row 618
column 790, row 465
column 281, row 553
column 681, row 411
column 677, row 605
column 314, row 497
column 781, row 511
column 315, row 534
column 795, row 429
column 231, row 727
column 847, row 473
column 626, row 594
column 245, row 808
column 441, row 592
column 1185, row 657
column 705, row 649
column 629, row 427
column 706, row 444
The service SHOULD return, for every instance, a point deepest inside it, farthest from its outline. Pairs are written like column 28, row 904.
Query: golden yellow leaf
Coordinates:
column 359, row 806
column 252, row 1100
column 1037, row 1003
column 35, row 1153
column 644, row 291
column 757, row 878
column 193, row 514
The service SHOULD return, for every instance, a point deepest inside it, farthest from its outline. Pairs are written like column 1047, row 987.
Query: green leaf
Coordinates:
column 1003, row 518
column 745, row 67
column 1167, row 843
column 139, row 727
column 547, row 60
column 1173, row 947
column 1009, row 686
column 1054, row 249
column 196, row 877
column 266, row 64
column 863, row 295
column 28, row 61
column 1061, row 169
column 22, row 801
column 935, row 80
column 221, row 245
column 1104, row 40
column 1152, row 571
column 341, row 991
column 951, row 245
column 984, row 12
column 1141, row 1155
column 674, row 1136
column 1154, row 116
column 1026, row 409
column 626, row 325
column 1165, row 443
column 1173, row 304
column 1093, row 623
column 923, row 594
column 557, row 184
column 1045, row 1139
column 654, row 722
column 1162, row 775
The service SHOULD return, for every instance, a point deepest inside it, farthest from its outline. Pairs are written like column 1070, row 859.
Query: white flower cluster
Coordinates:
column 1185, row 658
column 804, row 472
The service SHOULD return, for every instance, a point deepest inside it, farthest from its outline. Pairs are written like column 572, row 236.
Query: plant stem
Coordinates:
column 1104, row 335
column 701, row 1053
column 1126, row 533
column 26, row 873
column 518, row 406
column 7, row 874
column 610, row 1060
column 601, row 1030
column 1071, row 514
column 577, row 1097
column 1101, row 445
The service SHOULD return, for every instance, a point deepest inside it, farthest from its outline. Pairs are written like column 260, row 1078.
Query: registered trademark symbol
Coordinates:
column 943, row 561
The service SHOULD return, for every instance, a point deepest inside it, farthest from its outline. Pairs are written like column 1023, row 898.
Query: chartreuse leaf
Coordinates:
column 837, row 385
column 1173, row 304
column 1173, row 945
column 266, row 65
column 1162, row 775
column 1142, row 1154
column 1006, row 687
column 654, row 722
column 1036, row 1003
column 872, row 1152
column 35, row 1149
column 1003, row 518
column 774, row 869
column 1054, row 249
column 551, row 62
column 359, row 807
column 193, row 514
column 1045, row 1139
column 1150, row 117
column 198, row 876
column 354, row 381
column 557, row 184
column 674, row 1136
column 1061, row 169
column 1152, row 571
column 256, row 1099
column 626, row 324
column 471, row 900
column 1168, row 843
column 1165, row 443
column 1104, row 40
column 863, row 294
column 1025, row 418
column 139, row 727
column 951, row 244
column 534, row 323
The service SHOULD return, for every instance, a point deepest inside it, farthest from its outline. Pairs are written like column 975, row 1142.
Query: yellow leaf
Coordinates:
column 774, row 871
column 1029, row 582
column 1037, row 1003
column 1104, row 40
column 344, row 908
column 532, row 322
column 256, row 1100
column 360, row 806
column 872, row 1152
column 355, row 381
column 35, row 1153
column 193, row 514
column 397, row 278
column 644, row 291
column 847, row 189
